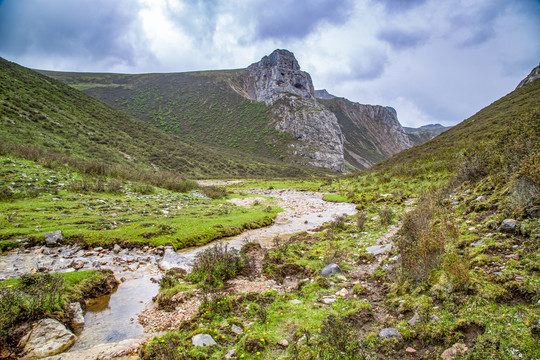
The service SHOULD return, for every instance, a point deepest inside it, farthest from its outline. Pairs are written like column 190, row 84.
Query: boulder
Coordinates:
column 330, row 270
column 236, row 329
column 203, row 340
column 171, row 259
column 389, row 333
column 47, row 337
column 509, row 225
column 52, row 238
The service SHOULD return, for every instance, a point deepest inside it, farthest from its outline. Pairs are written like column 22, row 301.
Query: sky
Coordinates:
column 433, row 61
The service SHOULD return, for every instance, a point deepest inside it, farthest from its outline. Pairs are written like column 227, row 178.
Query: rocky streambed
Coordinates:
column 112, row 319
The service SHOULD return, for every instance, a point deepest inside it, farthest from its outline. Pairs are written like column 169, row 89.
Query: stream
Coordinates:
column 113, row 318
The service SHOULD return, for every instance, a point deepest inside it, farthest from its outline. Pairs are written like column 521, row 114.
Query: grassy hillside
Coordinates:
column 201, row 107
column 40, row 115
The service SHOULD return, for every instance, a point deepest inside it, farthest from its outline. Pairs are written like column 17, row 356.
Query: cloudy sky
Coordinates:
column 434, row 61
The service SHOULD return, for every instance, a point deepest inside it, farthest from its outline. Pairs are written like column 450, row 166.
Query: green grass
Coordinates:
column 44, row 200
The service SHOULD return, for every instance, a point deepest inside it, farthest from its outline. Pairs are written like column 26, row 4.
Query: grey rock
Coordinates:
column 477, row 243
column 389, row 333
column 414, row 320
column 76, row 310
column 328, row 299
column 509, row 225
column 171, row 259
column 117, row 248
column 52, row 238
column 202, row 340
column 330, row 270
column 236, row 329
column 47, row 337
column 295, row 301
column 230, row 353
column 378, row 249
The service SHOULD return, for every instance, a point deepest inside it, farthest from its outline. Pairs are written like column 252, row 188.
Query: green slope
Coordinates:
column 201, row 107
column 36, row 110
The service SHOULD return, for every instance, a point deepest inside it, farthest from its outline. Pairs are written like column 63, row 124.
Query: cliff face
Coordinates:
column 278, row 81
column 372, row 132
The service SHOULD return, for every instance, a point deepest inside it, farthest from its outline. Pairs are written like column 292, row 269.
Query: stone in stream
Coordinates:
column 203, row 340
column 330, row 270
column 76, row 310
column 171, row 259
column 52, row 238
column 47, row 337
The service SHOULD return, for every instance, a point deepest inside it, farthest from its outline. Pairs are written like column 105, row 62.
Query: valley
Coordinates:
column 222, row 214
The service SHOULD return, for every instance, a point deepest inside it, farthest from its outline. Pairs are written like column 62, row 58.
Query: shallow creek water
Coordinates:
column 113, row 318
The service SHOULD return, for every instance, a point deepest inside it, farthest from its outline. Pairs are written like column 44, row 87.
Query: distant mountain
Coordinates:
column 323, row 94
column 43, row 114
column 424, row 133
column 268, row 110
column 533, row 75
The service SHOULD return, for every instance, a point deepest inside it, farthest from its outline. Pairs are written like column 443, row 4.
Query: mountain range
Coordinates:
column 267, row 111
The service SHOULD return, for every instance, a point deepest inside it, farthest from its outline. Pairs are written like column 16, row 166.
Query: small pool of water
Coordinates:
column 113, row 317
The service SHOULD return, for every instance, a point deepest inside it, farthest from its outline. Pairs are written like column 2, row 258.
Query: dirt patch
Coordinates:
column 247, row 201
column 471, row 331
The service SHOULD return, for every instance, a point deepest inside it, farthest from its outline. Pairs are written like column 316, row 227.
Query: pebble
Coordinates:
column 410, row 350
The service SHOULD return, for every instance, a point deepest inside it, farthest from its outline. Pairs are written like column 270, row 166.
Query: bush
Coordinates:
column 361, row 220
column 338, row 340
column 457, row 268
column 386, row 216
column 421, row 243
column 214, row 192
column 216, row 265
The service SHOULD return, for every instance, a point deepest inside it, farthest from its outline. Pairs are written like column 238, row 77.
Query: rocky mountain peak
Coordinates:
column 276, row 74
column 535, row 74
column 280, row 58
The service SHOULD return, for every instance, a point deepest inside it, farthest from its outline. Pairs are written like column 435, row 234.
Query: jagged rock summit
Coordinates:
column 324, row 94
column 278, row 81
column 534, row 74
column 276, row 74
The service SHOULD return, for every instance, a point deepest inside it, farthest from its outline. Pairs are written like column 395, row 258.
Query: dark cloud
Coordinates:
column 93, row 30
column 294, row 19
column 403, row 39
column 396, row 6
column 478, row 25
column 198, row 18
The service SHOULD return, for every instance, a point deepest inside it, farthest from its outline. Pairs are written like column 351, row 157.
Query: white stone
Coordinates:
column 47, row 337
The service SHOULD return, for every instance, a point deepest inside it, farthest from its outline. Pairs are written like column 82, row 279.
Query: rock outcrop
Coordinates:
column 276, row 74
column 534, row 74
column 278, row 81
column 372, row 132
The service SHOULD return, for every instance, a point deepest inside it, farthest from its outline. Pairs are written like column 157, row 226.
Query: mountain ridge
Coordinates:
column 268, row 109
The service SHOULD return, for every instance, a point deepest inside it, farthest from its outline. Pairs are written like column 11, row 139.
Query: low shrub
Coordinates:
column 216, row 265
column 214, row 192
column 386, row 216
column 361, row 220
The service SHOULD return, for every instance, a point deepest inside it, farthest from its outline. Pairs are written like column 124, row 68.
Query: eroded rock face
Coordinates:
column 47, row 337
column 278, row 81
column 372, row 132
